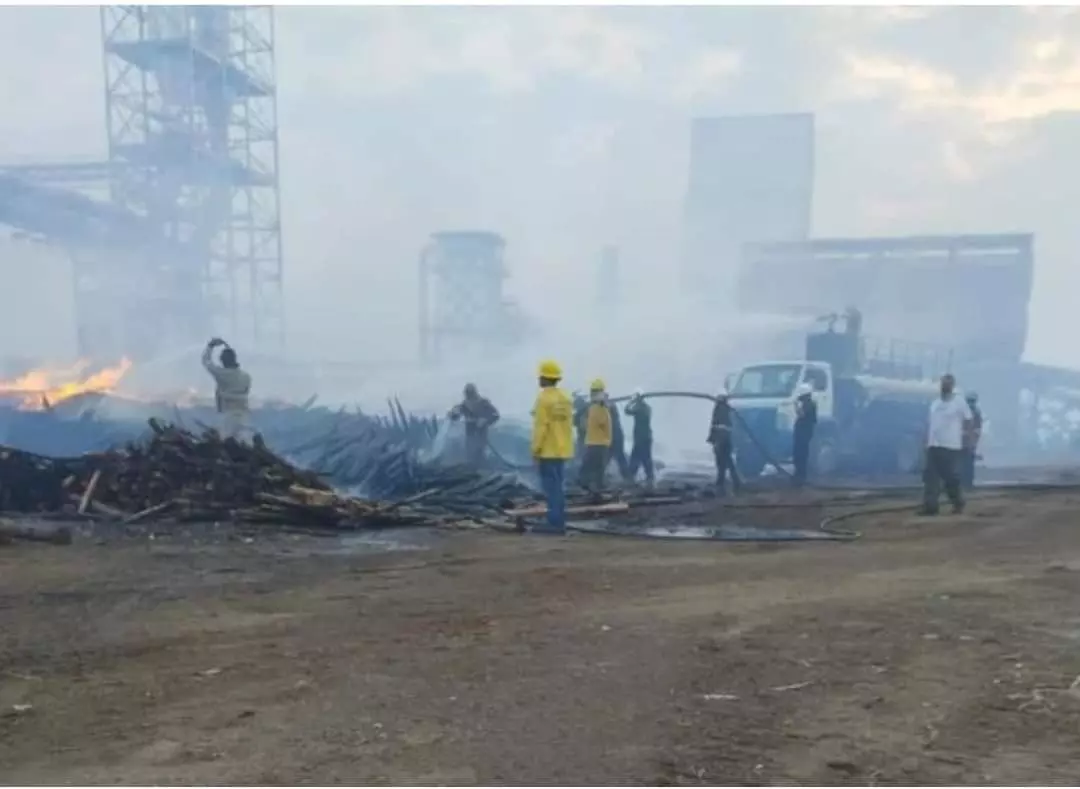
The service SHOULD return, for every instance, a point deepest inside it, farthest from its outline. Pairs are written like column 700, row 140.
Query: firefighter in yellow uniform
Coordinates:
column 553, row 443
column 598, row 433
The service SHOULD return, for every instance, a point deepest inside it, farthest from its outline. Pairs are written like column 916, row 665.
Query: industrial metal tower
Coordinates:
column 462, row 305
column 191, row 111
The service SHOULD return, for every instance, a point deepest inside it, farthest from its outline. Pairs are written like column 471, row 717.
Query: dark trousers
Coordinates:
column 942, row 469
column 725, row 464
column 618, row 454
column 967, row 469
column 641, row 457
column 551, row 482
column 593, row 466
column 800, row 456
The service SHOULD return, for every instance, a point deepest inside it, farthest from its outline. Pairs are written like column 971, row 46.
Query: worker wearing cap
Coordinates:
column 598, row 435
column 479, row 414
column 803, row 433
column 972, row 434
column 233, row 386
column 553, row 442
column 721, row 439
column 641, row 450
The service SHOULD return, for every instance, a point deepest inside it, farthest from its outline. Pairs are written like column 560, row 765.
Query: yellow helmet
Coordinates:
column 549, row 368
column 597, row 385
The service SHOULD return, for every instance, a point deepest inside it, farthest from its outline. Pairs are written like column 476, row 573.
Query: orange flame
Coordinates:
column 40, row 388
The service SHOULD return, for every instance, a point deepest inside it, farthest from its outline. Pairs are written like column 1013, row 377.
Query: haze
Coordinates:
column 567, row 129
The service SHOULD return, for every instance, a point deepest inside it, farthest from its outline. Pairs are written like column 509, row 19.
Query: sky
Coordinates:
column 566, row 129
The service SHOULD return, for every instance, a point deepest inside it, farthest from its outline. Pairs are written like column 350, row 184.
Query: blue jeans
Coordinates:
column 552, row 473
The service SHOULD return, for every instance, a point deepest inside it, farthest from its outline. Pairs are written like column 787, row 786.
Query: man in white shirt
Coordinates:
column 950, row 418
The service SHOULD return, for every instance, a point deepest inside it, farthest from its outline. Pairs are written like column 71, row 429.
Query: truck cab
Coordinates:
column 763, row 394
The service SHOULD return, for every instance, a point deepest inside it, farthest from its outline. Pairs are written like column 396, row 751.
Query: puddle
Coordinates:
column 724, row 533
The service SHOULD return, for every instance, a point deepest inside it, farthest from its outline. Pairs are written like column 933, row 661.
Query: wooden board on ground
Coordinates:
column 583, row 509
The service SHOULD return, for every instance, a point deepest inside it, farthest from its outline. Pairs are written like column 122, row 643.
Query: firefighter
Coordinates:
column 803, row 433
column 479, row 415
column 232, row 387
column 721, row 439
column 971, row 441
column 552, row 443
column 598, row 435
column 950, row 418
column 641, row 449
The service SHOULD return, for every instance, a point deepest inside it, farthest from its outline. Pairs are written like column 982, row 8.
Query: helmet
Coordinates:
column 804, row 389
column 549, row 368
column 597, row 385
column 972, row 397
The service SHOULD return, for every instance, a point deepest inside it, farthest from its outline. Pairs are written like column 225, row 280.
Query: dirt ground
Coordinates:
column 929, row 651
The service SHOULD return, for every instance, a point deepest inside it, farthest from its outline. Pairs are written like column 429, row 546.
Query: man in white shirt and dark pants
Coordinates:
column 949, row 420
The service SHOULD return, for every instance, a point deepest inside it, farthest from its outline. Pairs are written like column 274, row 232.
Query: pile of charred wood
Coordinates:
column 180, row 476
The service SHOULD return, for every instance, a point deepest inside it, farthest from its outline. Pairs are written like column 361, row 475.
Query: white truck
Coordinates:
column 871, row 413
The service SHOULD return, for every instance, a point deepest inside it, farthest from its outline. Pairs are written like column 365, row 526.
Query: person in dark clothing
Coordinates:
column 479, row 414
column 618, row 443
column 971, row 441
column 641, row 449
column 950, row 418
column 803, row 433
column 721, row 440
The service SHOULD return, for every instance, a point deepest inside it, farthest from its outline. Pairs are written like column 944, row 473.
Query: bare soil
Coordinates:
column 929, row 651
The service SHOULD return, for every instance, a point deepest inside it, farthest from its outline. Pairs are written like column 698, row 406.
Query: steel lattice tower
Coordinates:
column 191, row 110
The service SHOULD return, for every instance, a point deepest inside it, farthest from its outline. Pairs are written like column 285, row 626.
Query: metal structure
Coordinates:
column 971, row 291
column 185, row 242
column 191, row 113
column 461, row 301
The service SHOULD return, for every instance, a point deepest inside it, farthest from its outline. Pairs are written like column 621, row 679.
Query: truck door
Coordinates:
column 820, row 380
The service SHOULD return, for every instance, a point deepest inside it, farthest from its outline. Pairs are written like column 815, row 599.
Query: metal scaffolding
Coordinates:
column 462, row 305
column 191, row 116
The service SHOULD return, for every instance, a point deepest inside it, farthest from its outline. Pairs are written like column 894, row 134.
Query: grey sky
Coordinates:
column 565, row 129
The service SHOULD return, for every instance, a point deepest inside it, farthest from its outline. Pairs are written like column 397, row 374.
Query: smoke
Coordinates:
column 566, row 130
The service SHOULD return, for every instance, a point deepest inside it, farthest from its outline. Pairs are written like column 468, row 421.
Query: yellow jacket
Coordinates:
column 598, row 426
column 553, row 425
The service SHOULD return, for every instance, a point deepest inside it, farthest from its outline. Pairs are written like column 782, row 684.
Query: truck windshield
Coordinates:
column 767, row 380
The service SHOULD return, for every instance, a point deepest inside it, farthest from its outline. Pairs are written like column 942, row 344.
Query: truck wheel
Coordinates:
column 826, row 457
